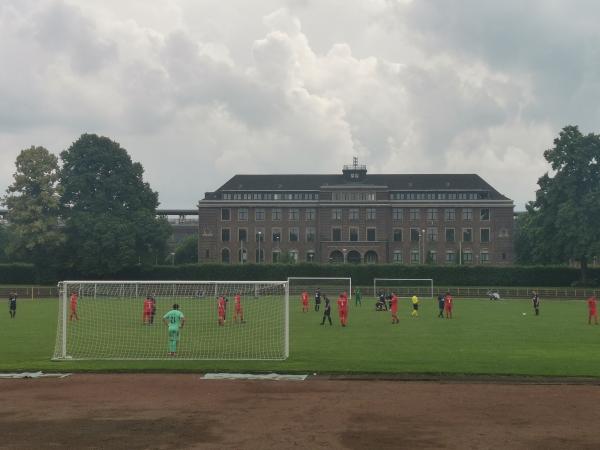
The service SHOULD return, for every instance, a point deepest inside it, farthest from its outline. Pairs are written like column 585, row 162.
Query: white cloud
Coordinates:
column 198, row 92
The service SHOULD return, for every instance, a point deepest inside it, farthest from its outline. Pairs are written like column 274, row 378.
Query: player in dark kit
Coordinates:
column 441, row 305
column 12, row 305
column 317, row 299
column 536, row 303
column 326, row 311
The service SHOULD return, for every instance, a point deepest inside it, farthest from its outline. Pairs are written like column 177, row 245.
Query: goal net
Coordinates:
column 113, row 320
column 330, row 286
column 404, row 287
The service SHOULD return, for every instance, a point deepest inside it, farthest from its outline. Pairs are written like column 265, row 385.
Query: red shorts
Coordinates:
column 394, row 311
column 448, row 307
column 238, row 310
column 593, row 312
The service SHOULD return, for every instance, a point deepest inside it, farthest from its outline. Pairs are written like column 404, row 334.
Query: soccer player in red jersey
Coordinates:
column 304, row 297
column 73, row 306
column 147, row 316
column 592, row 311
column 342, row 303
column 221, row 310
column 394, row 308
column 239, row 311
column 448, row 305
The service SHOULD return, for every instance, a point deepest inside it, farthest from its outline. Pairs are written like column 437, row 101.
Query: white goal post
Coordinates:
column 328, row 285
column 112, row 321
column 422, row 287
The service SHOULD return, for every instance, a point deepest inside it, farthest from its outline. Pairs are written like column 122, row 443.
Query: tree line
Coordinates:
column 92, row 214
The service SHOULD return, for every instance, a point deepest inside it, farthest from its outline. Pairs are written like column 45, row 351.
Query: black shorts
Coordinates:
column 415, row 307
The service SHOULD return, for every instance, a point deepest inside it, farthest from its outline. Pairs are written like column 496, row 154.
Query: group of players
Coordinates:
column 342, row 303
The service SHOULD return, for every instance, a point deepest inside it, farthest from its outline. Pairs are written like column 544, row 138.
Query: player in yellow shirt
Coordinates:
column 415, row 303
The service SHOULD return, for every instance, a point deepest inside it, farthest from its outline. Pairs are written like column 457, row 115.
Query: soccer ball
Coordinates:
column 524, row 314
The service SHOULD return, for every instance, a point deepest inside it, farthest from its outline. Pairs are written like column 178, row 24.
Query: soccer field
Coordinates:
column 483, row 338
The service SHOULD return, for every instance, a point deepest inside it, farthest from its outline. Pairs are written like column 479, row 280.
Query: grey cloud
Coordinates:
column 555, row 43
column 64, row 30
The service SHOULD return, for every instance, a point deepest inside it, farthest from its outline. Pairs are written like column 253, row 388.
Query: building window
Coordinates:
column 354, row 234
column 259, row 214
column 225, row 256
column 467, row 235
column 310, row 234
column 243, row 214
column 397, row 256
column 431, row 214
column 293, row 254
column 467, row 256
column 414, row 235
column 484, row 214
column 293, row 234
column 397, row 214
column 259, row 256
column 336, row 234
column 293, row 214
column 225, row 235
column 310, row 214
column 450, row 215
column 242, row 235
column 276, row 234
column 467, row 213
column 484, row 257
column 259, row 234
column 276, row 214
column 432, row 234
column 275, row 256
column 450, row 256
column 397, row 235
column 414, row 256
column 371, row 234
column 450, row 237
column 353, row 214
column 371, row 213
column 484, row 235
column 225, row 215
column 432, row 256
column 413, row 214
column 336, row 213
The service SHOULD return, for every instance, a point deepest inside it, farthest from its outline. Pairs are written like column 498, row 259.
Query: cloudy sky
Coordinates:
column 199, row 90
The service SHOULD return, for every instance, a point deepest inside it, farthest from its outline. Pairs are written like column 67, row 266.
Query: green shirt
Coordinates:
column 174, row 318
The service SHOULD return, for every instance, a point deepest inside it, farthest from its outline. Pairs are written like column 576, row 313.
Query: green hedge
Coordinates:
column 542, row 276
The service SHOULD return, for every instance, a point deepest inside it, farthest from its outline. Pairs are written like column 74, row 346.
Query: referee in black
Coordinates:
column 326, row 311
column 12, row 305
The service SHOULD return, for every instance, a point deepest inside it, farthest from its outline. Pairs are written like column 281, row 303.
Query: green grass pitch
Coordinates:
column 483, row 338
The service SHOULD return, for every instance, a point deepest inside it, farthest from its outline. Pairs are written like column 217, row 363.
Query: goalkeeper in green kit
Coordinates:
column 175, row 320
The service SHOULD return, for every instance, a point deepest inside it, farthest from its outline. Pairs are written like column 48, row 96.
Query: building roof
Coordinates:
column 396, row 182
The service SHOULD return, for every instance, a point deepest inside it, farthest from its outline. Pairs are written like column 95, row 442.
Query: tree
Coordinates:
column 108, row 209
column 562, row 222
column 187, row 250
column 33, row 207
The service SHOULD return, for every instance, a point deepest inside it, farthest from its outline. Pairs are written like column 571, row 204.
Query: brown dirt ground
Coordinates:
column 150, row 411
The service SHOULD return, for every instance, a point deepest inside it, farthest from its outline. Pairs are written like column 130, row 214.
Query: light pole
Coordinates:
column 423, row 259
column 259, row 239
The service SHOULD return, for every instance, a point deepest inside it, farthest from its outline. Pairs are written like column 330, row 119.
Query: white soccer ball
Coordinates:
column 524, row 314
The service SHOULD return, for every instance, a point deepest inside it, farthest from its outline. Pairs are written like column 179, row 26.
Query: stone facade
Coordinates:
column 356, row 218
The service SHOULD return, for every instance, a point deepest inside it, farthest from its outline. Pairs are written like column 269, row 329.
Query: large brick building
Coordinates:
column 356, row 217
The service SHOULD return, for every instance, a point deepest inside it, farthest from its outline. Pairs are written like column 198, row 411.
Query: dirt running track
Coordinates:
column 185, row 412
